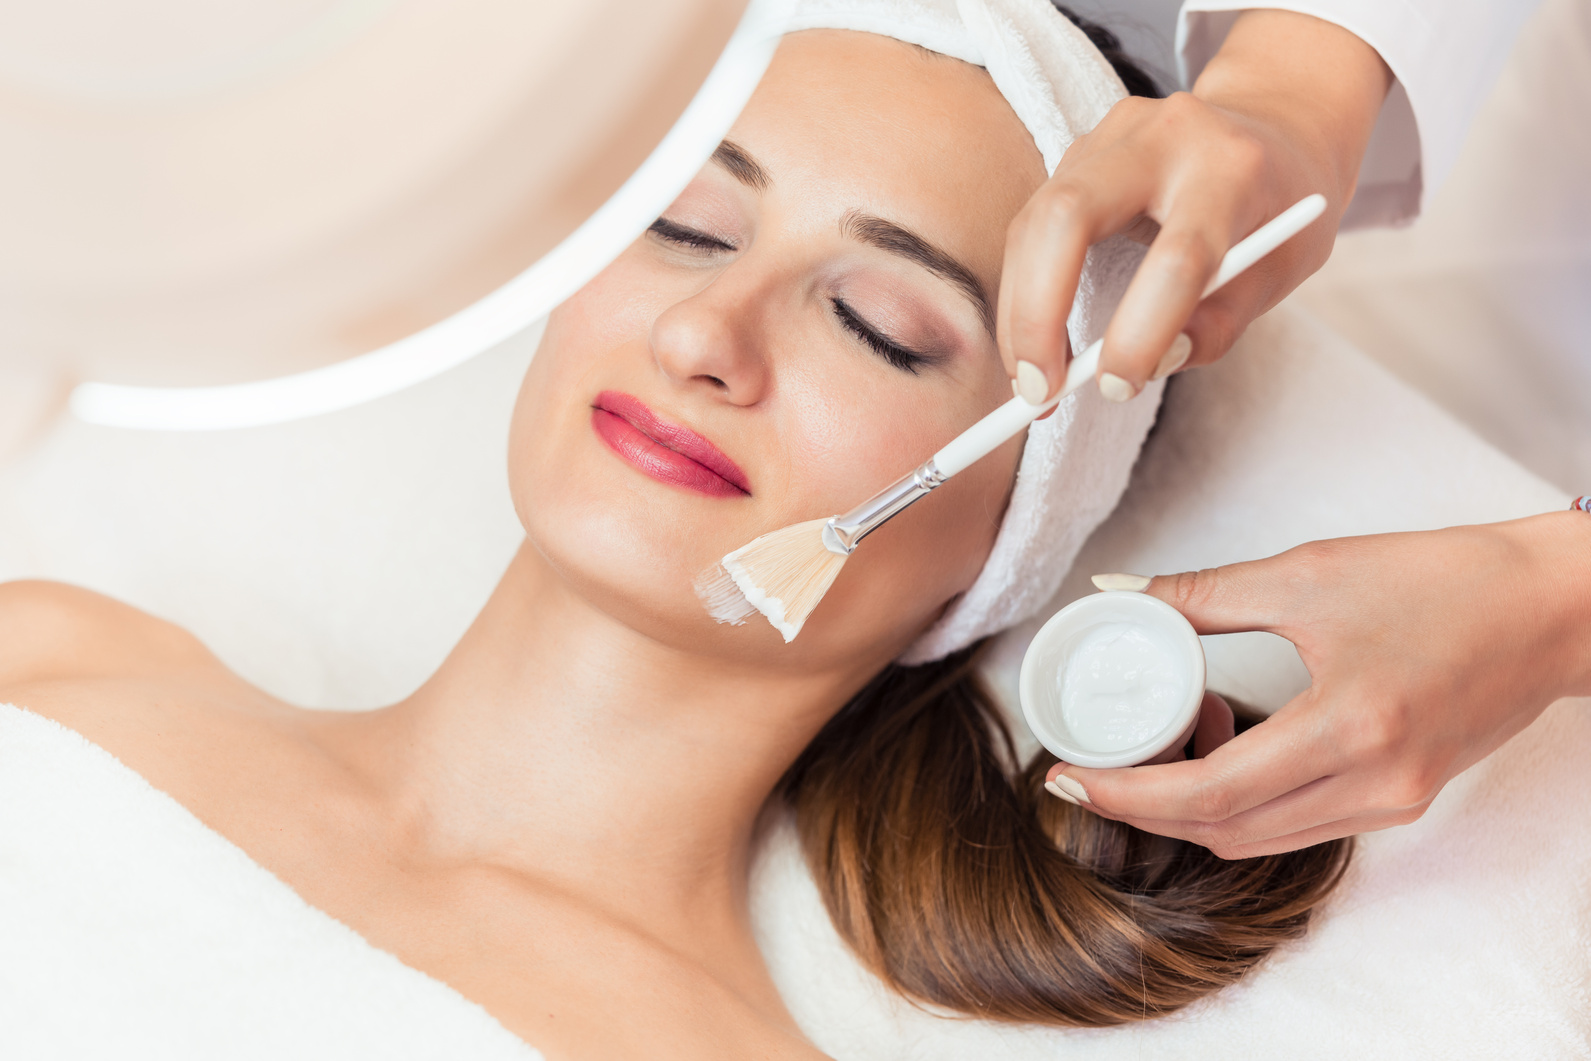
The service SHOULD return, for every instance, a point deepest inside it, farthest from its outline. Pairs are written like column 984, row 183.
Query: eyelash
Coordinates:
column 895, row 354
column 665, row 229
column 898, row 356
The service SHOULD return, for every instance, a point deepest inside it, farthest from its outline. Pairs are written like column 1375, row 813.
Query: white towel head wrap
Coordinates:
column 1076, row 463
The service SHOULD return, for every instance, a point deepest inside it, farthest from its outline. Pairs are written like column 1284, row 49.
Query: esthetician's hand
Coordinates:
column 1283, row 110
column 1427, row 651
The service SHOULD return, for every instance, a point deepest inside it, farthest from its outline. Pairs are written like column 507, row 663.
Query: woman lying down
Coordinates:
column 559, row 822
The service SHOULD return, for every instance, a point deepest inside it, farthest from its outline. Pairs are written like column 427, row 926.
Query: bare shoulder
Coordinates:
column 143, row 689
column 50, row 631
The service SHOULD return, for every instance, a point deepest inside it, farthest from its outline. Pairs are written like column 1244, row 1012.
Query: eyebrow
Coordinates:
column 875, row 231
column 902, row 241
column 742, row 166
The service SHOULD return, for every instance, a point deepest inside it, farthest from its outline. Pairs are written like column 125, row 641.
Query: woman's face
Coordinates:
column 806, row 323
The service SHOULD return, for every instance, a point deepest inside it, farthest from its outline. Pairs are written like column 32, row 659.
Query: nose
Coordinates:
column 711, row 340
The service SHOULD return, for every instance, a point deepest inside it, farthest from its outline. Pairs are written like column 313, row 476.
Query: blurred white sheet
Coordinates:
column 1485, row 302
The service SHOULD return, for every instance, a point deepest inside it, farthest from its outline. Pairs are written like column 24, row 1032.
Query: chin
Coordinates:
column 623, row 552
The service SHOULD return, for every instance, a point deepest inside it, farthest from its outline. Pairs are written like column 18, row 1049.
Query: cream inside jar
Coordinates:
column 1113, row 679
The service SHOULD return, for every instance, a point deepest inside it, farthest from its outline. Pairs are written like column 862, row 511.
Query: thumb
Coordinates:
column 1255, row 595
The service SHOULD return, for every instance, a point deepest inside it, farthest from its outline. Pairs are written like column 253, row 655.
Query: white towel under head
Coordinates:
column 1075, row 464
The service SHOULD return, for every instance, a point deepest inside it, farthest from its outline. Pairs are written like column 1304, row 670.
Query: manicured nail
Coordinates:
column 1175, row 356
column 1030, row 384
column 1071, row 787
column 1116, row 389
column 1060, row 793
column 1121, row 580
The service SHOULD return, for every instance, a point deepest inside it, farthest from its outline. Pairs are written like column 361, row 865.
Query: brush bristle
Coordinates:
column 783, row 575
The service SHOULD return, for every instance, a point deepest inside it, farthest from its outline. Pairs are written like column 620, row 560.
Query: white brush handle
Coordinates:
column 994, row 430
column 1275, row 232
column 1006, row 422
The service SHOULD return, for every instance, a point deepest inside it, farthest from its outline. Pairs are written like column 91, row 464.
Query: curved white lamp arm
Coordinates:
column 517, row 304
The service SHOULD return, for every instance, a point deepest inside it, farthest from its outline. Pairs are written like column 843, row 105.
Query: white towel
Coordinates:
column 129, row 929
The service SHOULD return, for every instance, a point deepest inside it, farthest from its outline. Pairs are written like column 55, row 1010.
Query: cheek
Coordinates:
column 550, row 415
column 847, row 441
column 618, row 307
column 851, row 428
column 902, row 574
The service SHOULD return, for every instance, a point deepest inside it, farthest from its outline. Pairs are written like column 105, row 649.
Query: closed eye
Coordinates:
column 889, row 350
column 678, row 234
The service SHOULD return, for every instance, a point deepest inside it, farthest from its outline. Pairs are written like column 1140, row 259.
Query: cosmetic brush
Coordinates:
column 785, row 573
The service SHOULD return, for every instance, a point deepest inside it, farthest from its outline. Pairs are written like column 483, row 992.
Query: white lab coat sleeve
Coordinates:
column 1445, row 55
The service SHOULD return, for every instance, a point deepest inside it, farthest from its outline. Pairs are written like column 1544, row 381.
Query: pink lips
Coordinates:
column 667, row 452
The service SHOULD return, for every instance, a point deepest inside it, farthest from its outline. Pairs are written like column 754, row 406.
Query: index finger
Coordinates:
column 1045, row 251
column 1283, row 753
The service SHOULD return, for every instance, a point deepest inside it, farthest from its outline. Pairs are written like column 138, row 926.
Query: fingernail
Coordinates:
column 1071, row 787
column 1030, row 384
column 1175, row 356
column 1121, row 580
column 1116, row 389
column 1060, row 793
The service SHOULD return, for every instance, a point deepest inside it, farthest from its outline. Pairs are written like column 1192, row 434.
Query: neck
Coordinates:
column 558, row 742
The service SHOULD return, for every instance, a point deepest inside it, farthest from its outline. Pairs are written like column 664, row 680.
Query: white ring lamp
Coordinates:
column 509, row 309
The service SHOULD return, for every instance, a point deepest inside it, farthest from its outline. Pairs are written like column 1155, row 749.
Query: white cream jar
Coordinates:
column 1113, row 679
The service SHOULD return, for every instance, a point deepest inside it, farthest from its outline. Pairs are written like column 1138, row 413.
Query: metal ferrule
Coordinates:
column 841, row 533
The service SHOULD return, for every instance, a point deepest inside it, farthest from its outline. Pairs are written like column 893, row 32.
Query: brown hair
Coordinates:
column 960, row 883
column 1134, row 78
